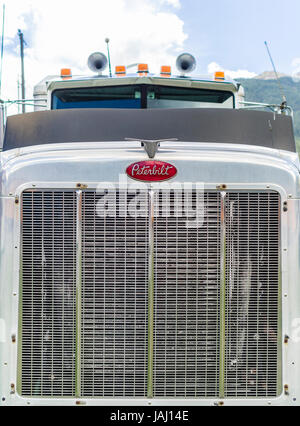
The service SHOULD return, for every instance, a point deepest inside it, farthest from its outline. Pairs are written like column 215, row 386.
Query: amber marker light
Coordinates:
column 66, row 73
column 120, row 70
column 143, row 69
column 166, row 71
column 220, row 76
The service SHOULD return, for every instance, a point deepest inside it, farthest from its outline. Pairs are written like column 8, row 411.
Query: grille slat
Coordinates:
column 252, row 294
column 48, row 293
column 114, row 300
column 113, row 357
column 187, row 268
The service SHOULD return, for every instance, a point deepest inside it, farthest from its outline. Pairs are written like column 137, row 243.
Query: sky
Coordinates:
column 222, row 34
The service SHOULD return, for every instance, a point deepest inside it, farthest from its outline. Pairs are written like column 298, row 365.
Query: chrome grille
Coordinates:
column 48, row 293
column 114, row 300
column 93, row 341
column 187, row 274
column 252, row 327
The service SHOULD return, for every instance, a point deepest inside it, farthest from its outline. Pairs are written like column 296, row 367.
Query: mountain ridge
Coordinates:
column 266, row 90
column 270, row 75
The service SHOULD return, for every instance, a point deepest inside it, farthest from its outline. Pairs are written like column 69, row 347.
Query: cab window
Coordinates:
column 141, row 97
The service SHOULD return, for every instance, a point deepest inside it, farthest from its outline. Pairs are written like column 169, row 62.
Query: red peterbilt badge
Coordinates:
column 151, row 171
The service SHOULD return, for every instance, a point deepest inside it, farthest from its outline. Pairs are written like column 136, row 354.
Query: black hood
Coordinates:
column 188, row 125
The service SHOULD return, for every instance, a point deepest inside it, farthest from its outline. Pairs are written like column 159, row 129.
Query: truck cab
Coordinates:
column 140, row 90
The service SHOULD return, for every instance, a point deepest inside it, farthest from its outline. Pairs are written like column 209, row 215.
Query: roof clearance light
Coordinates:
column 166, row 71
column 220, row 76
column 66, row 73
column 143, row 70
column 120, row 70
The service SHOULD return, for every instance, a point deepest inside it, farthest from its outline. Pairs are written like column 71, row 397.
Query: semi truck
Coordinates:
column 149, row 237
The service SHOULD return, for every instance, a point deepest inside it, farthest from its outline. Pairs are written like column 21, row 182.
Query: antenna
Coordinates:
column 284, row 101
column 108, row 55
column 2, row 48
column 22, row 41
column 132, row 65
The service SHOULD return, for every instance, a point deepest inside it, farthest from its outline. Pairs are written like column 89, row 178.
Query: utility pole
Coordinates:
column 19, row 86
column 22, row 69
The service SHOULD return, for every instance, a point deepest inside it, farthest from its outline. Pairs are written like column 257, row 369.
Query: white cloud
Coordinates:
column 174, row 3
column 63, row 34
column 296, row 66
column 213, row 67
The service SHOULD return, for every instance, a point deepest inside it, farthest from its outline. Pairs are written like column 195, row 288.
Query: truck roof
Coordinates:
column 57, row 82
column 210, row 125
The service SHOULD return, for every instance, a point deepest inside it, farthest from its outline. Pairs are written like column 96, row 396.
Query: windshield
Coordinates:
column 141, row 97
column 180, row 97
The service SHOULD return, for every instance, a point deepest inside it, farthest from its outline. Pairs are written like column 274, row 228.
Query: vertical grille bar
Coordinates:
column 48, row 293
column 151, row 272
column 78, row 289
column 222, row 295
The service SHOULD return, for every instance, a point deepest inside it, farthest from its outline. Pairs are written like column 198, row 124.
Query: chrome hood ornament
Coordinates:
column 151, row 146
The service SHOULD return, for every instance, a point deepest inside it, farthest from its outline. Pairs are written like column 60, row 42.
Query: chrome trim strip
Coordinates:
column 78, row 291
column 280, row 337
column 150, row 295
column 222, row 296
column 20, row 302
